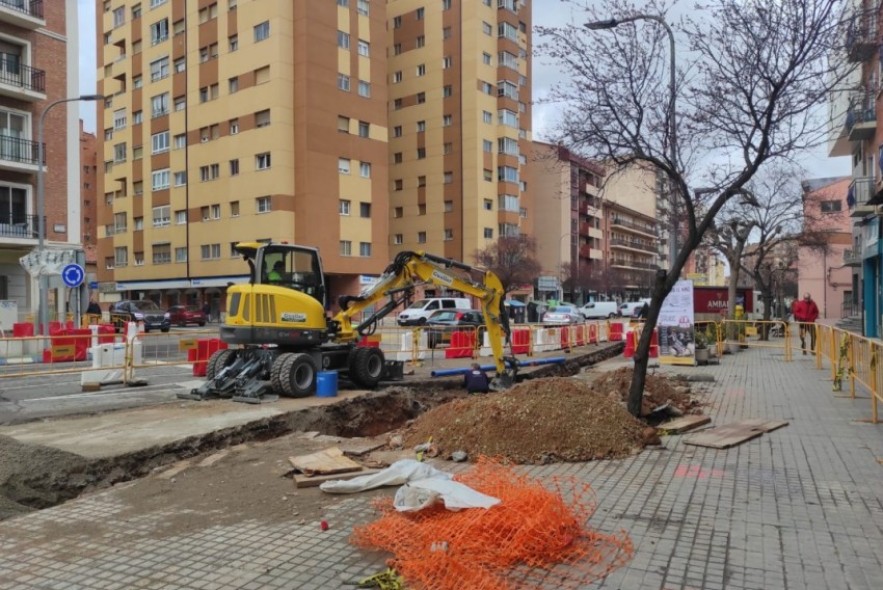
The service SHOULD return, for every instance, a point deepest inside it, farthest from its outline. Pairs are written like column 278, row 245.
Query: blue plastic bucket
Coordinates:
column 326, row 384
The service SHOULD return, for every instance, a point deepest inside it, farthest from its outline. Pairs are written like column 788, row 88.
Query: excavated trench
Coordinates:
column 33, row 477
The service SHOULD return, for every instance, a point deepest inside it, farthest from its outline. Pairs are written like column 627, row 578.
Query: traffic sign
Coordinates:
column 73, row 275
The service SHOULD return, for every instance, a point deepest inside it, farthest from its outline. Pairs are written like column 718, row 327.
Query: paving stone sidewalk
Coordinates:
column 801, row 508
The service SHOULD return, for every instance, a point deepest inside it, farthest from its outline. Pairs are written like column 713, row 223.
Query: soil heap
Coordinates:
column 658, row 391
column 538, row 421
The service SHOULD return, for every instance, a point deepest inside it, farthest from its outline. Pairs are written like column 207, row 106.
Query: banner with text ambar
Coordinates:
column 677, row 342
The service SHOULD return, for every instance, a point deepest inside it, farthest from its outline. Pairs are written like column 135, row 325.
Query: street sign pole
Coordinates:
column 73, row 276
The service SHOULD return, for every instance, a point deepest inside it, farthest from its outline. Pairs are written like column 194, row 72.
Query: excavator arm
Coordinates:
column 411, row 268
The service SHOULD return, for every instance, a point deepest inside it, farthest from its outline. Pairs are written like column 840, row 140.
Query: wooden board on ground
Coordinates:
column 303, row 481
column 764, row 425
column 357, row 447
column 723, row 437
column 326, row 462
column 683, row 424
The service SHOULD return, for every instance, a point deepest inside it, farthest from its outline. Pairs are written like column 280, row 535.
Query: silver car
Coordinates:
column 563, row 314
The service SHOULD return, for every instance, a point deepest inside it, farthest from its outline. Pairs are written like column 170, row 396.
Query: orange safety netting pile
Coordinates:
column 534, row 533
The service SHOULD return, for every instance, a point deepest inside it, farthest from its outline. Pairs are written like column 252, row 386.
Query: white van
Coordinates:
column 595, row 310
column 419, row 311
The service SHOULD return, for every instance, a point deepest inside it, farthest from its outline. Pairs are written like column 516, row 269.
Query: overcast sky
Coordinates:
column 545, row 13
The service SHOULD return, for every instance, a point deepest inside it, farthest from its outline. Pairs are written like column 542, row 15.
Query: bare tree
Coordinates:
column 757, row 71
column 513, row 259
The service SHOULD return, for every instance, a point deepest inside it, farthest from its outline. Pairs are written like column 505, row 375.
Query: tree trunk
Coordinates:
column 767, row 297
column 734, row 278
column 642, row 350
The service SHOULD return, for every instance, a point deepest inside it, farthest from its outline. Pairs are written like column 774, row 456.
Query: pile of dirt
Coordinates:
column 538, row 421
column 658, row 391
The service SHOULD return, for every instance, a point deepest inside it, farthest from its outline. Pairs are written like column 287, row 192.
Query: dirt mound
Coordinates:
column 538, row 421
column 658, row 390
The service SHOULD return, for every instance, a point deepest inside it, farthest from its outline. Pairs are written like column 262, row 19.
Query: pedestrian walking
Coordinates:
column 806, row 312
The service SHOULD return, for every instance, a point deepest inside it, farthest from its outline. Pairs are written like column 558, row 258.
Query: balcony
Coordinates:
column 638, row 227
column 861, row 124
column 18, row 155
column 20, row 81
column 628, row 263
column 852, row 257
column 27, row 14
column 18, row 227
column 861, row 43
column 632, row 245
column 861, row 190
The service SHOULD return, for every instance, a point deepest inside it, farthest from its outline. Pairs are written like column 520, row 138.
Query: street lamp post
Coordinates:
column 41, row 204
column 673, row 128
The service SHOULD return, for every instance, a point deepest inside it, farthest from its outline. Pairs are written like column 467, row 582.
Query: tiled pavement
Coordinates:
column 801, row 507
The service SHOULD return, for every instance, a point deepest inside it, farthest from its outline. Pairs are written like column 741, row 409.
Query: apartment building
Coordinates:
column 38, row 65
column 630, row 249
column 231, row 121
column 88, row 193
column 568, row 226
column 460, row 120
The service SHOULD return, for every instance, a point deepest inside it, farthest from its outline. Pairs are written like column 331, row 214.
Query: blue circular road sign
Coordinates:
column 73, row 275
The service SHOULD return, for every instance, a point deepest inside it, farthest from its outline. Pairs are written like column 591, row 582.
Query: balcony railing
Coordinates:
column 22, row 151
column 647, row 229
column 32, row 8
column 633, row 264
column 636, row 244
column 852, row 258
column 860, row 43
column 13, row 73
column 861, row 123
column 19, row 226
column 860, row 191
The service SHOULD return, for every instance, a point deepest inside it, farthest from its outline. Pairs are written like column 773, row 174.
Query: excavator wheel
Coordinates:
column 298, row 375
column 216, row 362
column 366, row 366
column 276, row 372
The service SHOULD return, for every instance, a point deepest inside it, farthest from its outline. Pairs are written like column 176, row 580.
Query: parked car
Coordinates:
column 595, row 310
column 143, row 310
column 563, row 314
column 181, row 315
column 443, row 322
column 418, row 312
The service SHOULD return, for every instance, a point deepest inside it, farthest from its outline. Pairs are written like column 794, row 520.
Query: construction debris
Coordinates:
column 658, row 391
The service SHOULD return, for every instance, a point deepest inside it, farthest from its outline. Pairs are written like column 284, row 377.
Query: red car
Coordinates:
column 181, row 315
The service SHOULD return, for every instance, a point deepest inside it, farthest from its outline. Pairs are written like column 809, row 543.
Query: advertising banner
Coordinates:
column 677, row 343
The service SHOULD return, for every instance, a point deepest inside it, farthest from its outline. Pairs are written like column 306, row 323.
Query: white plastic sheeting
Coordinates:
column 47, row 262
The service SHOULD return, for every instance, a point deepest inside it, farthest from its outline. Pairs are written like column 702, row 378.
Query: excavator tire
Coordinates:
column 366, row 366
column 298, row 376
column 216, row 362
column 276, row 372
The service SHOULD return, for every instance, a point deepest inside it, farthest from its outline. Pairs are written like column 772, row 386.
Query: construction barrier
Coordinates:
column 775, row 334
column 853, row 361
column 200, row 355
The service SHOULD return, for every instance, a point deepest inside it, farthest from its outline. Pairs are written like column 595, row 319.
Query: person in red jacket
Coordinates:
column 806, row 312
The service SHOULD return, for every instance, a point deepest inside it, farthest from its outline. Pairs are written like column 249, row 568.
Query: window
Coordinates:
column 210, row 172
column 397, row 158
column 488, row 233
column 364, row 48
column 364, row 248
column 159, row 105
column 234, row 167
column 261, row 31
column 447, row 91
column 208, row 13
column 119, row 120
column 263, row 204
column 159, row 69
column 398, row 212
column 210, row 251
column 397, row 22
column 397, row 131
column 421, row 41
column 446, row 33
column 508, row 60
column 397, row 77
column 136, row 11
column 159, row 31
column 137, row 81
column 180, row 217
column 421, row 181
column 365, row 210
column 488, row 175
column 180, row 103
column 180, row 178
column 487, row 145
column 508, row 118
column 234, row 126
column 362, row 7
column 262, row 161
column 231, row 4
column 487, row 88
column 234, row 208
column 343, row 165
column 343, row 124
column 449, row 206
column 262, row 118
column 160, row 179
column 180, row 65
column 119, row 17
column 448, row 147
column 233, row 85
column 397, row 49
column 344, row 207
column 509, row 203
column 138, row 187
column 421, row 237
column 420, row 13
column 398, row 239
column 365, row 169
column 178, row 27
column 487, row 117
column 364, row 129
column 507, row 89
column 180, row 141
column 447, row 120
column 397, row 103
column 421, row 97
column 138, row 223
column 421, row 70
column 120, row 256
column 421, row 126
column 343, row 82
column 508, row 145
column 181, row 254
column 487, row 29
column 159, row 142
column 449, row 177
column 364, row 89
column 343, row 3
column 346, row 248
column 137, row 152
column 486, row 58
column 343, row 40
column 449, row 235
column 398, row 184
column 207, row 93
column 233, row 43
column 507, row 173
column 447, row 62
column 830, row 206
column 161, row 216
column 421, row 153
column 446, row 4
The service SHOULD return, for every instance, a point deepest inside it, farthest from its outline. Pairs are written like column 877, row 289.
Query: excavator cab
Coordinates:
column 286, row 265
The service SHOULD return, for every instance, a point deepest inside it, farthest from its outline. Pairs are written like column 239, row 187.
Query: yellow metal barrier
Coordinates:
column 854, row 358
column 750, row 333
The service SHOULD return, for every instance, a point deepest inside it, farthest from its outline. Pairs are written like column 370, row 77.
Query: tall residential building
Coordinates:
column 239, row 121
column 88, row 194
column 38, row 65
column 460, row 123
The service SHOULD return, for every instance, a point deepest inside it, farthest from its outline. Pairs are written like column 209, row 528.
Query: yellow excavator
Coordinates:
column 285, row 336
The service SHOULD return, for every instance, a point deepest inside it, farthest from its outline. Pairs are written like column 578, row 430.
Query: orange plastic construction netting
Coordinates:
column 536, row 536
